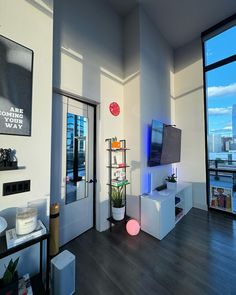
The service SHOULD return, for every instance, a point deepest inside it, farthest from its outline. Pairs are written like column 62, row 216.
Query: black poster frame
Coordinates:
column 29, row 133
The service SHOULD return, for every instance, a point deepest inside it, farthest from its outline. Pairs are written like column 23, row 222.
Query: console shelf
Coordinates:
column 161, row 212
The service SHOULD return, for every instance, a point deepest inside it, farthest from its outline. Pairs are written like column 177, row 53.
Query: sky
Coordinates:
column 221, row 82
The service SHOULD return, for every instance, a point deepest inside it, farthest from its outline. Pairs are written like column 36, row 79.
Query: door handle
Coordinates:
column 92, row 181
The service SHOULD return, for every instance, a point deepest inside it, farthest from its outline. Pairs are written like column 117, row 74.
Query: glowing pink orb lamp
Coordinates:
column 133, row 227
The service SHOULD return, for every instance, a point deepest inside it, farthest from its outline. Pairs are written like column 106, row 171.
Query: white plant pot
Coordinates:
column 118, row 213
column 171, row 185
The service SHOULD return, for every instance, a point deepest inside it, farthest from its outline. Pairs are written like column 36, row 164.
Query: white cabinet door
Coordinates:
column 188, row 199
column 158, row 214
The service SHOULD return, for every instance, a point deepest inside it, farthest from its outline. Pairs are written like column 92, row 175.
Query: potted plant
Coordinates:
column 117, row 199
column 115, row 144
column 9, row 281
column 171, row 181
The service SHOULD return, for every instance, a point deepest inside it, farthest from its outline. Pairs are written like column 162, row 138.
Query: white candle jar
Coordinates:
column 26, row 220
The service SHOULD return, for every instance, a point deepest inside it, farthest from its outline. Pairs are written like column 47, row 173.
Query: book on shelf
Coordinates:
column 13, row 239
column 119, row 182
column 121, row 165
column 24, row 285
column 178, row 212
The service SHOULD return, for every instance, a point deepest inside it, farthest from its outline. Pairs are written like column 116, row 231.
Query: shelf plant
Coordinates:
column 171, row 182
column 9, row 281
column 172, row 178
column 117, row 199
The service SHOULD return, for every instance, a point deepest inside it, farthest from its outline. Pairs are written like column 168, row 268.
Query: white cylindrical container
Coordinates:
column 118, row 213
column 171, row 185
column 26, row 220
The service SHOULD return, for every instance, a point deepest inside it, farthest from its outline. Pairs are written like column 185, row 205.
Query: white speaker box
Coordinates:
column 63, row 274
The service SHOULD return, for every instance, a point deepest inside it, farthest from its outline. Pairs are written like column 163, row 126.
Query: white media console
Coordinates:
column 160, row 211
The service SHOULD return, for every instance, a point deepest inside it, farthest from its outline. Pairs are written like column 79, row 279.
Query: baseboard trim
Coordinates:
column 200, row 206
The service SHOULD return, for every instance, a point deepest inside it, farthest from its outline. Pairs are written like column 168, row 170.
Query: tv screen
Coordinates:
column 171, row 147
column 165, row 145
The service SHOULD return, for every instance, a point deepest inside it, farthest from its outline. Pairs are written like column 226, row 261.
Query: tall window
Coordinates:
column 220, row 111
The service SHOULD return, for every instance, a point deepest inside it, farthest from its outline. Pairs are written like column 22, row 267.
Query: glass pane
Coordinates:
column 220, row 46
column 221, row 108
column 77, row 132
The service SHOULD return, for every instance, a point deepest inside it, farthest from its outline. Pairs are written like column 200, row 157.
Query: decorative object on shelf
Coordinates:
column 3, row 224
column 15, row 88
column 8, row 159
column 114, row 161
column 117, row 185
column 120, row 175
column 26, row 220
column 115, row 144
column 118, row 206
column 25, row 285
column 133, row 227
column 114, row 109
column 121, row 165
column 9, row 281
column 171, row 182
column 13, row 239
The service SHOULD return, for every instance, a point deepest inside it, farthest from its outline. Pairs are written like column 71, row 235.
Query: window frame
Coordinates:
column 206, row 35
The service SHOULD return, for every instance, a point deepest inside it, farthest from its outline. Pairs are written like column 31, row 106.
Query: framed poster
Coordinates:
column 16, row 71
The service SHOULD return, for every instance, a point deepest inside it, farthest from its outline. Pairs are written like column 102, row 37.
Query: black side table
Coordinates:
column 37, row 280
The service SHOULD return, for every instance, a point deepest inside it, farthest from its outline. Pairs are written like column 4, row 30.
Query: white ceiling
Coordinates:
column 180, row 21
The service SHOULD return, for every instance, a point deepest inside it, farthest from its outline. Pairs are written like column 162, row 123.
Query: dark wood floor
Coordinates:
column 197, row 257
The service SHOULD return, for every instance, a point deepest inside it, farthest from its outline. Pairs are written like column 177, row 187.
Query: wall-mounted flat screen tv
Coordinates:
column 165, row 145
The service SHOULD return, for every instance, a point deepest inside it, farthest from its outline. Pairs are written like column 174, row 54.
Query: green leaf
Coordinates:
column 10, row 271
column 15, row 264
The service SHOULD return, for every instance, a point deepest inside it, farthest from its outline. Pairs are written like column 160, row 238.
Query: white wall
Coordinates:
column 156, row 93
column 147, row 95
column 131, row 122
column 30, row 23
column 87, row 39
column 189, row 104
column 131, row 43
column 88, row 61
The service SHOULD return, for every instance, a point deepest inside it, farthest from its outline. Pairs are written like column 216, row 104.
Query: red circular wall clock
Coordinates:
column 114, row 109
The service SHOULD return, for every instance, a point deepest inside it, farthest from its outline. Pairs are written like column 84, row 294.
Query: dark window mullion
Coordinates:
column 220, row 63
column 76, row 160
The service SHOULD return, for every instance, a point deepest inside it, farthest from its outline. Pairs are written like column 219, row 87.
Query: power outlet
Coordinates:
column 17, row 187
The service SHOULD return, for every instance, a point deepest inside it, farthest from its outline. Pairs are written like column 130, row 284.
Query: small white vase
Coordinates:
column 118, row 213
column 171, row 185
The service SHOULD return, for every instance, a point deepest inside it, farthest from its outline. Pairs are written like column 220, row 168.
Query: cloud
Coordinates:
column 227, row 128
column 222, row 130
column 220, row 111
column 221, row 90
